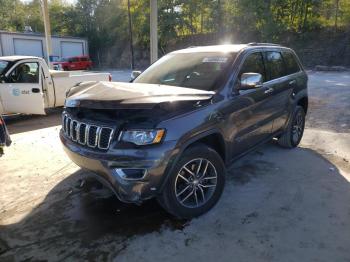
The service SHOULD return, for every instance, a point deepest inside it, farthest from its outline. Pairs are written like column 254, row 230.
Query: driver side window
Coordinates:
column 253, row 64
column 25, row 73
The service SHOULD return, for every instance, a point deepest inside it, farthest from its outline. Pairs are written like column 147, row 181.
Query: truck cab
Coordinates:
column 28, row 86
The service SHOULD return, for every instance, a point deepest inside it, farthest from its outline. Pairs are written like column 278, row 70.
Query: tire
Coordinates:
column 295, row 129
column 206, row 185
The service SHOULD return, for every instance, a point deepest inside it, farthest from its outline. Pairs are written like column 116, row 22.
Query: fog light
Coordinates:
column 131, row 173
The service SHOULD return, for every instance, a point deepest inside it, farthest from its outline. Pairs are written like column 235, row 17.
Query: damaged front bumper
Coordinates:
column 134, row 175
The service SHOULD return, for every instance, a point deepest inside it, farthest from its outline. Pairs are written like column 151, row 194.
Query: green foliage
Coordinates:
column 105, row 22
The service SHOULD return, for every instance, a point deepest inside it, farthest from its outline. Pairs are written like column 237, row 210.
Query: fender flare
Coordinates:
column 172, row 162
column 300, row 95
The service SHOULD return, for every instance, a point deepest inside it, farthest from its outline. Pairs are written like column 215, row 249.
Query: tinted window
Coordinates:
column 73, row 59
column 197, row 70
column 275, row 65
column 291, row 63
column 83, row 59
column 253, row 64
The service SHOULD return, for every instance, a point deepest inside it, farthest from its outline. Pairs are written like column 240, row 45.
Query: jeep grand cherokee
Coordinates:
column 171, row 132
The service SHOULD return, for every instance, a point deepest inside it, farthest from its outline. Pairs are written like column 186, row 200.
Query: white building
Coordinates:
column 34, row 44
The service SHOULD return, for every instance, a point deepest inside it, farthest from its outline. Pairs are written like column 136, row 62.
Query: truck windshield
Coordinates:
column 192, row 70
column 3, row 66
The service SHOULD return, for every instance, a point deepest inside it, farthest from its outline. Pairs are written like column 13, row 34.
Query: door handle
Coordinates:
column 293, row 82
column 269, row 91
column 35, row 90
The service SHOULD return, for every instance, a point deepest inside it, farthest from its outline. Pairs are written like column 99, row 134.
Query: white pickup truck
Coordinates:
column 27, row 85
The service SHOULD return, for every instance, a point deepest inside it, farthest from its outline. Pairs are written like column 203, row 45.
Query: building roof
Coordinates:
column 17, row 57
column 35, row 34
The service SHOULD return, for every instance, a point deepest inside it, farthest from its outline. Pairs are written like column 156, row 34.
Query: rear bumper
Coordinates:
column 104, row 165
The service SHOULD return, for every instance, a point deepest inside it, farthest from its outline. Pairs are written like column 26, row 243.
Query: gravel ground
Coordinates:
column 278, row 204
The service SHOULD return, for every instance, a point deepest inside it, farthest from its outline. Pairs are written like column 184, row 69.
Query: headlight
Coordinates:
column 142, row 137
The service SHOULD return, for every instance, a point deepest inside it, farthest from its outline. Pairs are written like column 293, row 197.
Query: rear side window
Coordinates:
column 253, row 64
column 84, row 59
column 73, row 59
column 275, row 65
column 292, row 65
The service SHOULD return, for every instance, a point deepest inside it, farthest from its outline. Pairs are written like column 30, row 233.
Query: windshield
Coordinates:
column 3, row 66
column 191, row 70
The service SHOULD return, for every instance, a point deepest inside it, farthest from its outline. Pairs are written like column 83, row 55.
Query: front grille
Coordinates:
column 93, row 136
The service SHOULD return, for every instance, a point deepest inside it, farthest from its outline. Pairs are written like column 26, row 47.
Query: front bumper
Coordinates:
column 155, row 159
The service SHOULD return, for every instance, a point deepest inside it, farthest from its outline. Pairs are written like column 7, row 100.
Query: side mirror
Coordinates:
column 250, row 81
column 135, row 74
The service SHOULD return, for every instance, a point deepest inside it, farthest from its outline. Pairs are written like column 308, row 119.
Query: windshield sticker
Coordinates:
column 216, row 59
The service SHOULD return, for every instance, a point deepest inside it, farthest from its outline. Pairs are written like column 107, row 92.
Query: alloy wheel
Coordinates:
column 298, row 127
column 195, row 183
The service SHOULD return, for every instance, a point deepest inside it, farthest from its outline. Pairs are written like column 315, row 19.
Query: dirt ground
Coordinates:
column 278, row 204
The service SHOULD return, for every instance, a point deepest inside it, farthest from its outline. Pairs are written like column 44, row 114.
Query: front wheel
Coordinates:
column 295, row 130
column 196, row 183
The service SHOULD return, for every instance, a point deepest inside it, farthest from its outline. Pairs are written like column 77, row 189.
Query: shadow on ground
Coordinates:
column 80, row 219
column 24, row 123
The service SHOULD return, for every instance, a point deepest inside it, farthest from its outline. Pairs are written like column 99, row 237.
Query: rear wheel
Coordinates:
column 295, row 130
column 196, row 183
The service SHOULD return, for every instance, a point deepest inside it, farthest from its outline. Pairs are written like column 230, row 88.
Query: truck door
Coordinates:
column 21, row 91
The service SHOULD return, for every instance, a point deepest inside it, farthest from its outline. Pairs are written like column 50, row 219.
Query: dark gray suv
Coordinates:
column 171, row 132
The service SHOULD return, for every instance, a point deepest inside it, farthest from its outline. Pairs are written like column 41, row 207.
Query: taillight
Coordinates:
column 110, row 78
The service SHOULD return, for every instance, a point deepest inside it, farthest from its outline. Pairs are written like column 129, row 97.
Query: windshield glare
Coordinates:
column 191, row 70
column 3, row 65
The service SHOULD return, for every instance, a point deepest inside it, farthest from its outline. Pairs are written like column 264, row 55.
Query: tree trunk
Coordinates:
column 305, row 15
column 336, row 14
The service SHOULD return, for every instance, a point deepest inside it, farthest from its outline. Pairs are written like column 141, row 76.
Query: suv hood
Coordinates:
column 115, row 95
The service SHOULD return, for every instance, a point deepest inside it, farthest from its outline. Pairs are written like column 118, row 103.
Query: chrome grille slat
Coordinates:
column 82, row 133
column 69, row 120
column 101, row 135
column 73, row 130
column 93, row 136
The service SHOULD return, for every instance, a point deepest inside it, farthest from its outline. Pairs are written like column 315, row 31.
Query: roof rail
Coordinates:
column 262, row 44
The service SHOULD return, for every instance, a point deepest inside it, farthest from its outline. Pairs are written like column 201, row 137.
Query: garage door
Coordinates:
column 28, row 47
column 71, row 49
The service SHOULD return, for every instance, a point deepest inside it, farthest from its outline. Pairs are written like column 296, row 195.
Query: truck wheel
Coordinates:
column 195, row 184
column 295, row 130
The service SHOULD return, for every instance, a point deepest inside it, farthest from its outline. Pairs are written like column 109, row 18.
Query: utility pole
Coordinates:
column 47, row 30
column 154, row 30
column 131, row 41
